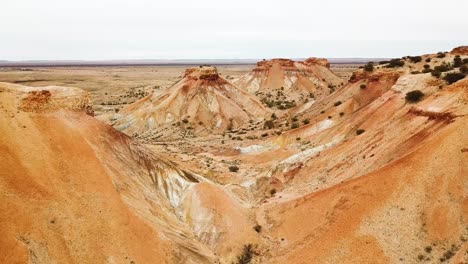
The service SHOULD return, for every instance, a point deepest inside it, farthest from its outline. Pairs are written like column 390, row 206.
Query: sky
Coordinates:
column 236, row 29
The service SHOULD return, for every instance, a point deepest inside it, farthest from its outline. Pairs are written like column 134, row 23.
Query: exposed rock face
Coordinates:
column 288, row 80
column 462, row 50
column 75, row 190
column 201, row 102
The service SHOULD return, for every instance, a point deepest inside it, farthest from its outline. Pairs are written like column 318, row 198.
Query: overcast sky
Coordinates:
column 212, row 29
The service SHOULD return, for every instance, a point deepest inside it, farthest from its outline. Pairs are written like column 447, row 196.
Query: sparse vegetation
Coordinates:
column 294, row 125
column 414, row 96
column 247, row 255
column 444, row 67
column 394, row 63
column 233, row 168
column 363, row 86
column 306, row 121
column 360, row 131
column 453, row 77
column 457, row 61
column 258, row 228
column 337, row 103
column 269, row 124
column 464, row 69
column 440, row 55
column 436, row 74
column 369, row 67
column 415, row 59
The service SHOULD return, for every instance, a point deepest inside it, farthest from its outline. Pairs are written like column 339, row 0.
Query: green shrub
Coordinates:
column 269, row 124
column 415, row 59
column 247, row 255
column 443, row 67
column 426, row 70
column 436, row 73
column 463, row 69
column 258, row 228
column 369, row 67
column 440, row 55
column 395, row 63
column 294, row 125
column 457, row 61
column 360, row 131
column 414, row 96
column 233, row 168
column 465, row 61
column 454, row 77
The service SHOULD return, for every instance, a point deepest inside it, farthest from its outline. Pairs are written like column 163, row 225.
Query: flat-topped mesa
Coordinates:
column 291, row 65
column 266, row 65
column 317, row 61
column 50, row 98
column 462, row 50
column 202, row 73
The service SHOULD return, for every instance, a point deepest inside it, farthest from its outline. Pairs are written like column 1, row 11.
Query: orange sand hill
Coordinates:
column 202, row 102
column 291, row 80
column 75, row 190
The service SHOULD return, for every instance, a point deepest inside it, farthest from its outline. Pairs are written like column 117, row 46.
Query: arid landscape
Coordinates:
column 282, row 161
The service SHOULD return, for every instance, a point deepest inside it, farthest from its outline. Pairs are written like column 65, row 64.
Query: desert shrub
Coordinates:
column 457, row 61
column 264, row 135
column 247, row 255
column 383, row 62
column 453, row 77
column 440, row 55
column 337, row 103
column 428, row 60
column 306, row 121
column 273, row 191
column 414, row 96
column 269, row 124
column 273, row 116
column 294, row 125
column 258, row 228
column 463, row 69
column 415, row 72
column 311, row 95
column 322, row 112
column 185, row 121
column 465, row 61
column 395, row 63
column 436, row 73
column 415, row 59
column 298, row 139
column 360, row 131
column 363, row 86
column 428, row 249
column 233, row 168
column 294, row 118
column 427, row 66
column 443, row 67
column 369, row 67
column 341, row 113
column 426, row 70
